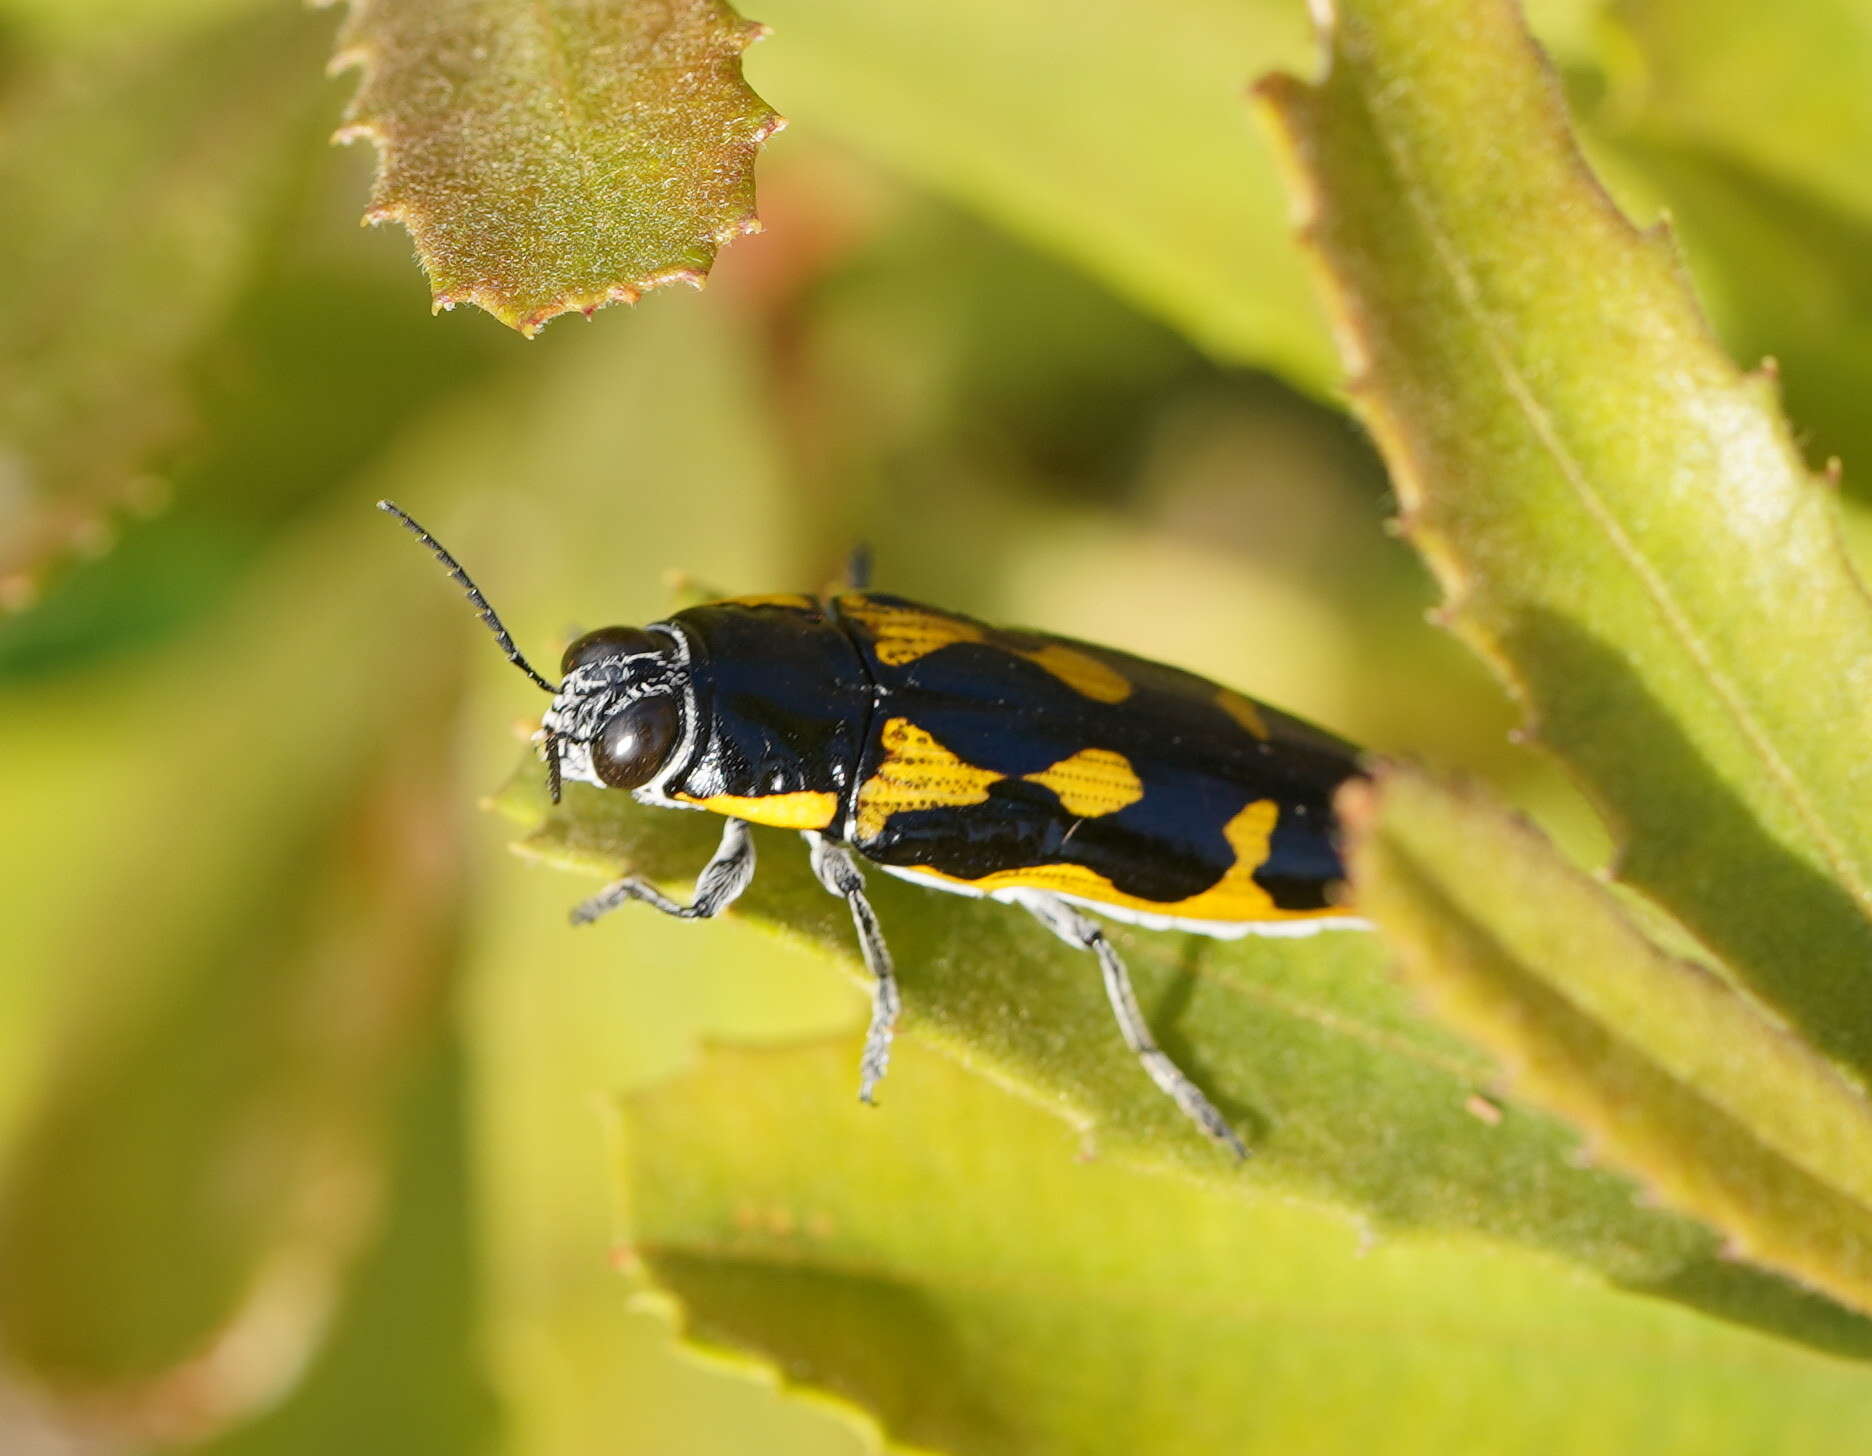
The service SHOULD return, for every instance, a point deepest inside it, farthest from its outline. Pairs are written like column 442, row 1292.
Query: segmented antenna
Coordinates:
column 480, row 602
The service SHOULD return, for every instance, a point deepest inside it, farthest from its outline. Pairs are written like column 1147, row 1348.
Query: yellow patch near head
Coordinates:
column 1092, row 782
column 1242, row 711
column 917, row 773
column 803, row 810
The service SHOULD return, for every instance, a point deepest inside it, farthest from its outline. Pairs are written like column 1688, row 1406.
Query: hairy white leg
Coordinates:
column 1083, row 931
column 719, row 885
column 839, row 874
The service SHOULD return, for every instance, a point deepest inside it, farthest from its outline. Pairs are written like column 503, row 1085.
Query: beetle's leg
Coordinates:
column 838, row 874
column 719, row 885
column 1083, row 931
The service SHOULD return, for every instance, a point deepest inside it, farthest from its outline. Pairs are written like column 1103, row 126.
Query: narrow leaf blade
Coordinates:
column 1620, row 519
column 1672, row 1073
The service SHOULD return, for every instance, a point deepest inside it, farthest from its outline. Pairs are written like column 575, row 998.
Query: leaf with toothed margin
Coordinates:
column 1347, row 1096
column 1620, row 519
column 556, row 157
column 1674, row 1075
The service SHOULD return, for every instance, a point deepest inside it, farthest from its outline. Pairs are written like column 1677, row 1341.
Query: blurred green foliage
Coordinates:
column 305, row 1088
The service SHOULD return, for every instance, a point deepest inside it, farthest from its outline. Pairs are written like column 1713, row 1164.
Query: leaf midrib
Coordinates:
column 1469, row 296
column 576, row 129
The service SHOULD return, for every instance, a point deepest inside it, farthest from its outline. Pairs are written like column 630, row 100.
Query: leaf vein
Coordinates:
column 559, row 77
column 1470, row 294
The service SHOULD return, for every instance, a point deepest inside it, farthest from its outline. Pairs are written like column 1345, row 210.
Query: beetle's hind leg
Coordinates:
column 839, row 875
column 1081, row 930
column 719, row 885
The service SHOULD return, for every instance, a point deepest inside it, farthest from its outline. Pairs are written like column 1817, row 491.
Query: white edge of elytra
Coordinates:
column 1149, row 920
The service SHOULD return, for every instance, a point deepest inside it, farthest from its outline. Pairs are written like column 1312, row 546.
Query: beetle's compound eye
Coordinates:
column 634, row 741
column 609, row 642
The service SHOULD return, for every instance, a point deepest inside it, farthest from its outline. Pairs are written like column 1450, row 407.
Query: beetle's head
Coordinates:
column 617, row 718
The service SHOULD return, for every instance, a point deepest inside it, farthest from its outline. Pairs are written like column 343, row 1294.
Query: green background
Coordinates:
column 319, row 1128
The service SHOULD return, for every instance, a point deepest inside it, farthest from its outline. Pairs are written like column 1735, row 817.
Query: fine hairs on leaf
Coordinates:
column 555, row 157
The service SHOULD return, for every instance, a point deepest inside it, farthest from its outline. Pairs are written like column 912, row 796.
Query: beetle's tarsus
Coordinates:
column 719, row 885
column 618, row 892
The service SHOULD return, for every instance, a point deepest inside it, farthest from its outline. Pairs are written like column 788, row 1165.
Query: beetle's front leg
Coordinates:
column 719, row 885
column 833, row 865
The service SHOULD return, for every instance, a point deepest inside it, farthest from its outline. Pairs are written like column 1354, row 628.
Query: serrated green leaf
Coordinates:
column 1740, row 228
column 1673, row 1074
column 946, row 1266
column 1787, row 91
column 1784, row 259
column 1346, row 1094
column 557, row 157
column 1620, row 519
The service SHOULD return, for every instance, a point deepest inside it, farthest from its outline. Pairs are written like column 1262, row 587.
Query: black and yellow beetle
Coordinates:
column 1031, row 769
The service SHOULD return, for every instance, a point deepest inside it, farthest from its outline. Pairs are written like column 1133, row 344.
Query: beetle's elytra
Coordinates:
column 1032, row 769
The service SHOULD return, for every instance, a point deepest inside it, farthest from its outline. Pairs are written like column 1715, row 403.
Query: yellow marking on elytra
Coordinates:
column 1093, row 782
column 1234, row 898
column 792, row 601
column 917, row 772
column 1080, row 671
column 806, row 809
column 900, row 635
column 1242, row 711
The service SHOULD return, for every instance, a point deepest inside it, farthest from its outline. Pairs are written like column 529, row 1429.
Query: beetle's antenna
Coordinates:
column 480, row 603
column 858, row 568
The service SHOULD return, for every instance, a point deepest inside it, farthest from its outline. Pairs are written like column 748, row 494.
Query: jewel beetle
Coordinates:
column 1050, row 774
